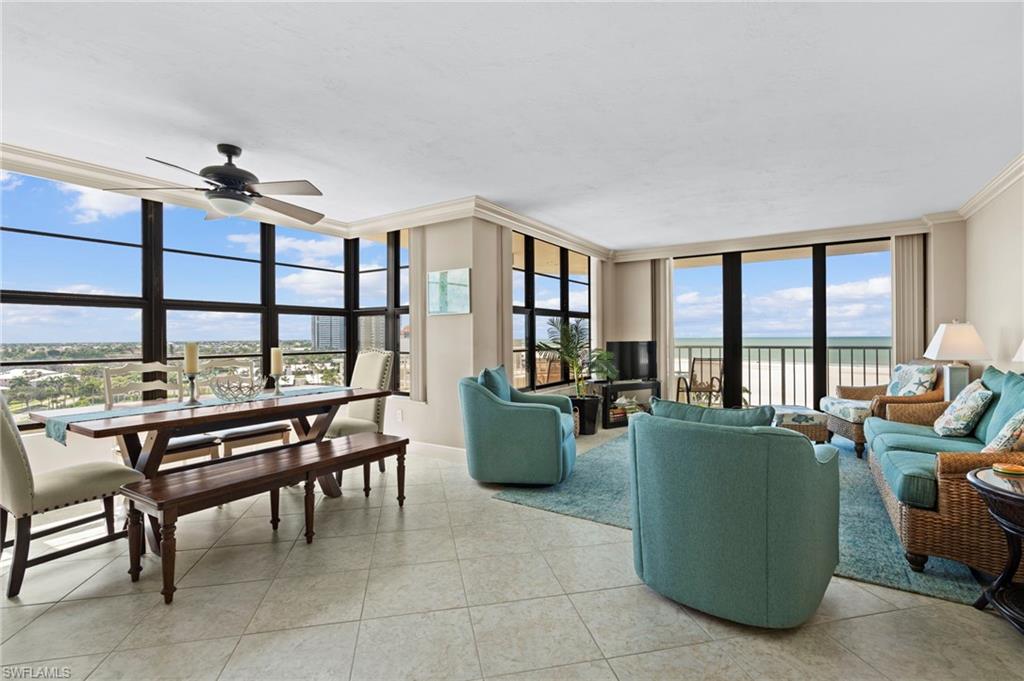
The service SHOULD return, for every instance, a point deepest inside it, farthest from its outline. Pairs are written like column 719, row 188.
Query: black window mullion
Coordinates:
column 563, row 290
column 270, row 334
column 351, row 305
column 531, row 321
column 154, row 314
column 391, row 331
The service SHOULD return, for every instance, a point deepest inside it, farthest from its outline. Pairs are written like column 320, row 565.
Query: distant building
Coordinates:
column 371, row 332
column 328, row 332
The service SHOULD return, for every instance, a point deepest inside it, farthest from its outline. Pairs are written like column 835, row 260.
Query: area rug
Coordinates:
column 869, row 551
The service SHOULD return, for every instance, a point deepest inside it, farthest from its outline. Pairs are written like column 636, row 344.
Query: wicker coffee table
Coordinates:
column 803, row 420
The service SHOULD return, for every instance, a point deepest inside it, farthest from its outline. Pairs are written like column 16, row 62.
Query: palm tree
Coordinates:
column 570, row 343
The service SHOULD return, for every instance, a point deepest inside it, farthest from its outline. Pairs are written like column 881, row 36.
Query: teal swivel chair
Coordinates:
column 738, row 522
column 513, row 437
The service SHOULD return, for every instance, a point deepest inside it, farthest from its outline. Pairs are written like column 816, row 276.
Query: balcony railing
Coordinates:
column 783, row 374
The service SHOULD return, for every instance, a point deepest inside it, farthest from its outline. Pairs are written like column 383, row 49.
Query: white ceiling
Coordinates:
column 632, row 126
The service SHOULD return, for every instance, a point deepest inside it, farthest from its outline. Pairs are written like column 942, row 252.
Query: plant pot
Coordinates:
column 589, row 406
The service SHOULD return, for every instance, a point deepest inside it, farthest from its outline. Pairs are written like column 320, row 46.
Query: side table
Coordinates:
column 1004, row 495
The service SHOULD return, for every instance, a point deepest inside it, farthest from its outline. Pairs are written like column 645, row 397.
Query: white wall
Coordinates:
column 995, row 274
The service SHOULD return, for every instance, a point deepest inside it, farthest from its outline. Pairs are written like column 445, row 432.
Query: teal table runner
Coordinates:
column 57, row 426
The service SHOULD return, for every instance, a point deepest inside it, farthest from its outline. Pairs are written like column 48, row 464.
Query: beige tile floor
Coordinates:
column 454, row 586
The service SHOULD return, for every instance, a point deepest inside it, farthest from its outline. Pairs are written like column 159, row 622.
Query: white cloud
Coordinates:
column 9, row 180
column 314, row 287
column 87, row 289
column 250, row 242
column 90, row 205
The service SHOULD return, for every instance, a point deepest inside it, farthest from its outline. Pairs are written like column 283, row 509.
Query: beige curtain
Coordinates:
column 418, row 314
column 661, row 288
column 908, row 297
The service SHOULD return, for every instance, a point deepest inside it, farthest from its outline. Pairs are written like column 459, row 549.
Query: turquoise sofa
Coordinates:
column 514, row 437
column 922, row 478
column 741, row 522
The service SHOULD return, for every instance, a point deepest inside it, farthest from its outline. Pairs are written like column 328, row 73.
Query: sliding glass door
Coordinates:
column 697, row 315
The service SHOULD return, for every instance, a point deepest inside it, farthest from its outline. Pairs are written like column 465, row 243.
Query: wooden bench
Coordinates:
column 193, row 488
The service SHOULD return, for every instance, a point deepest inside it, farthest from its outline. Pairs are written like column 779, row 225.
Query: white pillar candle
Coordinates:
column 191, row 358
column 276, row 362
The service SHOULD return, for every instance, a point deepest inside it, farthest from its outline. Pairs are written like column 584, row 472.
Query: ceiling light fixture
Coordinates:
column 228, row 201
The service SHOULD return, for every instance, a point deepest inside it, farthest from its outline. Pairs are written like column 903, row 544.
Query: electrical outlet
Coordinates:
column 400, row 415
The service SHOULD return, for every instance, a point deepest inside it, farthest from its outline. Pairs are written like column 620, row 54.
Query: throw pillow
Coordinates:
column 759, row 416
column 963, row 413
column 496, row 381
column 1010, row 437
column 911, row 379
column 1007, row 402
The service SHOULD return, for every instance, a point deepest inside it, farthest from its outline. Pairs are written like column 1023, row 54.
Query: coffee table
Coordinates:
column 1004, row 495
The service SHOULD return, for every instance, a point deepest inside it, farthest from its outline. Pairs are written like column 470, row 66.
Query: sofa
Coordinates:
column 514, row 437
column 853, row 405
column 738, row 521
column 922, row 477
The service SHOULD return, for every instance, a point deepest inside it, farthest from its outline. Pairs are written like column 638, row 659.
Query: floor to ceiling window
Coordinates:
column 92, row 278
column 550, row 286
column 697, row 316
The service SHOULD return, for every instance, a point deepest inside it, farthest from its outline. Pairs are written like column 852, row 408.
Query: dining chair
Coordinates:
column 372, row 370
column 705, row 378
column 178, row 448
column 24, row 494
column 245, row 436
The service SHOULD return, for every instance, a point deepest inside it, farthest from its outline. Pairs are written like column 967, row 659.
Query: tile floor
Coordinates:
column 454, row 586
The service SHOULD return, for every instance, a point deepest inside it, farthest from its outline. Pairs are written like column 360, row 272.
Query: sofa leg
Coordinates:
column 916, row 561
column 829, row 435
column 859, row 448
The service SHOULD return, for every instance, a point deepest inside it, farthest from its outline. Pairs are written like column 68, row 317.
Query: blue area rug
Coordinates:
column 868, row 548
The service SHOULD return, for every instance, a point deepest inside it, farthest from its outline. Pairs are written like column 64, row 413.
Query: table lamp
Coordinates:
column 955, row 342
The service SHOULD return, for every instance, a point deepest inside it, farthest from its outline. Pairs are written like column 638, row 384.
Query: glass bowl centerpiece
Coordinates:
column 236, row 388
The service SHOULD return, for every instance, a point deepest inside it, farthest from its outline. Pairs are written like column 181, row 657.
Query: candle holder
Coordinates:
column 277, row 385
column 192, row 400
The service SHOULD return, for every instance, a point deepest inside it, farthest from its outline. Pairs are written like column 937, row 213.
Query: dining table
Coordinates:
column 143, row 437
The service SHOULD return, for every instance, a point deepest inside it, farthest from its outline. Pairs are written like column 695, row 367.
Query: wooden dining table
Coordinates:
column 310, row 416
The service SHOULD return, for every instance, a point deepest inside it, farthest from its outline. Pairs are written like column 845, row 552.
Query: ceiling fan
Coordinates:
column 231, row 190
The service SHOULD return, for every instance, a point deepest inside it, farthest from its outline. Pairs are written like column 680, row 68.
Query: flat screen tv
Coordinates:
column 635, row 360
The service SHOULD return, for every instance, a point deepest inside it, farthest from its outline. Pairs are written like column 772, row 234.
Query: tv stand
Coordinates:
column 610, row 392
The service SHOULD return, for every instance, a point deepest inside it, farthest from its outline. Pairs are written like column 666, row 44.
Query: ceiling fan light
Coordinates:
column 227, row 202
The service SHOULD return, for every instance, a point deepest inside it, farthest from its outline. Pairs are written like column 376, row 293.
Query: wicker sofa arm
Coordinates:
column 880, row 403
column 957, row 464
column 866, row 392
column 915, row 413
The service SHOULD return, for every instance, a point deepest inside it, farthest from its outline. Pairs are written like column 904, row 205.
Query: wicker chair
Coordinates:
column 879, row 403
column 959, row 527
column 705, row 379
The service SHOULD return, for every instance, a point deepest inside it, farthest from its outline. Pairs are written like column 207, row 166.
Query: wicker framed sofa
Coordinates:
column 853, row 405
column 922, row 478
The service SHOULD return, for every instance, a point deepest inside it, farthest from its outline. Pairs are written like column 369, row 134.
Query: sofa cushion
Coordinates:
column 1011, row 401
column 496, row 381
column 910, row 476
column 854, row 411
column 1010, row 438
column 757, row 416
column 992, row 378
column 875, row 426
column 568, row 425
column 909, row 380
column 924, row 443
column 963, row 413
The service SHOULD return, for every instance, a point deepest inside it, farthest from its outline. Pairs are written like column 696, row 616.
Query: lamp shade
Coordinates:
column 956, row 340
column 1019, row 357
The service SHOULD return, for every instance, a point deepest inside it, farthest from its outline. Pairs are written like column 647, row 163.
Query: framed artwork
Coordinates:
column 448, row 292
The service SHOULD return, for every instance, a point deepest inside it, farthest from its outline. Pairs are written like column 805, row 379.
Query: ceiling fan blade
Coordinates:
column 310, row 217
column 294, row 187
column 157, row 189
column 190, row 172
column 210, row 215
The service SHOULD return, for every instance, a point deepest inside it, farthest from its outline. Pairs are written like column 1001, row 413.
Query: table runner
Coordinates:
column 57, row 426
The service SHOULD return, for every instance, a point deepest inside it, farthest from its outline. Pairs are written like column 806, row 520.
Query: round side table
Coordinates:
column 1004, row 495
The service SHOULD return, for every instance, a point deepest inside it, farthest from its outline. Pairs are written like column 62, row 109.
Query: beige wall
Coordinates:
column 628, row 306
column 995, row 274
column 946, row 275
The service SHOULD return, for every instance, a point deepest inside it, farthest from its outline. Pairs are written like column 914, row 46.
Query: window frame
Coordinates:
column 531, row 312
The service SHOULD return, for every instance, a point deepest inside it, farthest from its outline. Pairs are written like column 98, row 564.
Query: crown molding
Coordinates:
column 499, row 215
column 996, row 186
column 943, row 218
column 414, row 217
column 877, row 230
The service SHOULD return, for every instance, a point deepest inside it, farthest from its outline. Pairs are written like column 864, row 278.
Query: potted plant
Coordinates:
column 570, row 343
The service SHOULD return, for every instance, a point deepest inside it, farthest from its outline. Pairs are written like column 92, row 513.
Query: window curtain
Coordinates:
column 417, row 315
column 661, row 288
column 908, row 297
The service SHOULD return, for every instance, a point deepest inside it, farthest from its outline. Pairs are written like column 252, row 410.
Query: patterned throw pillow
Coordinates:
column 911, row 379
column 963, row 413
column 1010, row 437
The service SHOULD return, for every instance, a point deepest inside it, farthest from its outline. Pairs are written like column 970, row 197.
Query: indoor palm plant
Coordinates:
column 570, row 343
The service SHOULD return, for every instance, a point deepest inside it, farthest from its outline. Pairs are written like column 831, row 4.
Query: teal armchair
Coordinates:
column 526, row 439
column 739, row 522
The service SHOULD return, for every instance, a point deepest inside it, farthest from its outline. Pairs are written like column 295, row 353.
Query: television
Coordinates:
column 635, row 360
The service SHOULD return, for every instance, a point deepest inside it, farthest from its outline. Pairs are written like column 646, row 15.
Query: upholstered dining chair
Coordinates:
column 24, row 495
column 372, row 370
column 244, row 436
column 179, row 448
